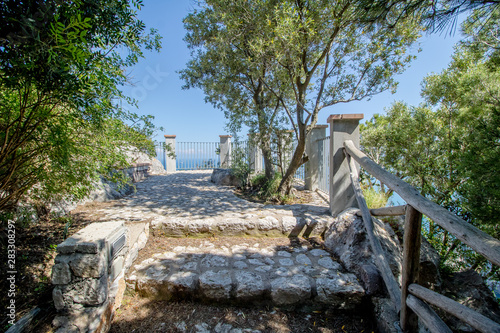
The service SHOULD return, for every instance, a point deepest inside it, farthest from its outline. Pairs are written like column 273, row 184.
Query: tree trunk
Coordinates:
column 297, row 160
column 267, row 154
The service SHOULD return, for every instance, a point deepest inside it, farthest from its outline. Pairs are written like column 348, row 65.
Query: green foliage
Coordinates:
column 266, row 62
column 448, row 148
column 267, row 189
column 374, row 198
column 61, row 68
column 240, row 164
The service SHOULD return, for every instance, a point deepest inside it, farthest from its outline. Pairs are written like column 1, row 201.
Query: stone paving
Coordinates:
column 188, row 204
column 247, row 273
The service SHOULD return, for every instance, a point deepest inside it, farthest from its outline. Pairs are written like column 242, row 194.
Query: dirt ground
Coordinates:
column 36, row 249
column 139, row 314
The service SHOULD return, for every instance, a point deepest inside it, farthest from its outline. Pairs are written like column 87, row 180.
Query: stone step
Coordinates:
column 248, row 224
column 247, row 274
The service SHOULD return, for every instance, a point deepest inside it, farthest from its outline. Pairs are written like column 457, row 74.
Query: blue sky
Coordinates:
column 184, row 113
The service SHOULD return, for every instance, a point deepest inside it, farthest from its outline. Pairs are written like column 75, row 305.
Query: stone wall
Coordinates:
column 89, row 274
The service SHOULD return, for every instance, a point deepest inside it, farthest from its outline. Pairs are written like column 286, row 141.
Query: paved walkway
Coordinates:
column 188, row 204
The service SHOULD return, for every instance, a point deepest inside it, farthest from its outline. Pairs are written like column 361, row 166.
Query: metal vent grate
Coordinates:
column 117, row 245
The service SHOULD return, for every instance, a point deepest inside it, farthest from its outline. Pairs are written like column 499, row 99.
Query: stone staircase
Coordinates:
column 247, row 273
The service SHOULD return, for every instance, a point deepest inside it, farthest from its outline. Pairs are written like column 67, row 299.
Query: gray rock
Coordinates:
column 248, row 285
column 303, row 259
column 88, row 265
column 385, row 315
column 87, row 292
column 57, row 296
column 290, row 290
column 222, row 328
column 224, row 177
column 255, row 262
column 284, row 254
column 343, row 291
column 61, row 274
column 181, row 283
column 214, row 261
column 216, row 285
column 327, row 262
column 268, row 223
column 181, row 326
column 202, row 328
column 264, row 268
column 347, row 239
column 240, row 265
column 319, row 253
column 371, row 278
column 286, row 262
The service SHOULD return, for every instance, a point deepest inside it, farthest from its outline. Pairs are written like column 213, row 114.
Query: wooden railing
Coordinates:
column 410, row 297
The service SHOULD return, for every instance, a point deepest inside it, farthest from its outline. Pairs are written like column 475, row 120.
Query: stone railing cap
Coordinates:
column 320, row 126
column 353, row 116
column 225, row 136
column 90, row 239
column 170, row 136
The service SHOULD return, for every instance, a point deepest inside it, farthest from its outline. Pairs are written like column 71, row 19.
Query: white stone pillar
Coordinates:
column 342, row 127
column 312, row 166
column 170, row 162
column 225, row 151
column 255, row 153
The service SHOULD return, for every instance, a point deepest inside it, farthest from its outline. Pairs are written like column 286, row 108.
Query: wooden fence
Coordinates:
column 412, row 298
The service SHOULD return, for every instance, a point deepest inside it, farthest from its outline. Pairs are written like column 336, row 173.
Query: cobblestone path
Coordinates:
column 186, row 204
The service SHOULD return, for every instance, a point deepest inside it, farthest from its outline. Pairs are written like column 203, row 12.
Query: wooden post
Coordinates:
column 342, row 127
column 411, row 262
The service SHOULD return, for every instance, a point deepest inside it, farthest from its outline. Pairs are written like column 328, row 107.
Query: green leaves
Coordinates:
column 449, row 148
column 60, row 76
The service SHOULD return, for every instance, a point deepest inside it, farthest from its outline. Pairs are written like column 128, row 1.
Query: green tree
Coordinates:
column 327, row 56
column 61, row 68
column 449, row 147
column 293, row 56
column 231, row 73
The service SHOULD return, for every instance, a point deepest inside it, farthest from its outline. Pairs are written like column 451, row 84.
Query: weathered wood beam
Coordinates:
column 380, row 260
column 387, row 211
column 462, row 312
column 478, row 240
column 430, row 319
column 411, row 263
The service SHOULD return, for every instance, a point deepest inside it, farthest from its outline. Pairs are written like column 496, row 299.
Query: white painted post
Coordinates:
column 225, row 151
column 342, row 127
column 312, row 166
column 170, row 162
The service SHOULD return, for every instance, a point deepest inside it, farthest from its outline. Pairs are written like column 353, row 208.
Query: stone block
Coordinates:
column 343, row 291
column 215, row 285
column 61, row 274
column 249, row 285
column 57, row 296
column 290, row 290
column 88, row 265
column 90, row 239
column 87, row 291
column 371, row 278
